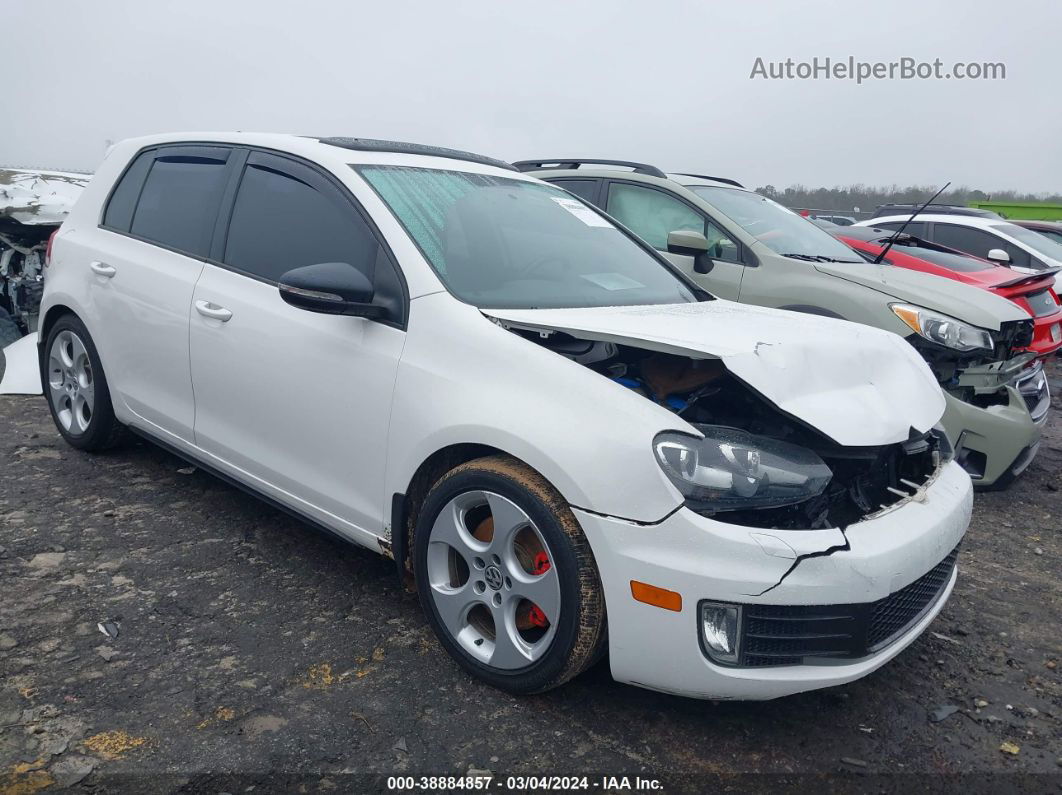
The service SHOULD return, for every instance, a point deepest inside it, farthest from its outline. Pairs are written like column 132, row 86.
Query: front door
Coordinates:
column 294, row 402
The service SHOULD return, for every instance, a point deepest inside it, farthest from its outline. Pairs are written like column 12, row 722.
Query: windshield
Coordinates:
column 945, row 259
column 1034, row 240
column 778, row 228
column 497, row 242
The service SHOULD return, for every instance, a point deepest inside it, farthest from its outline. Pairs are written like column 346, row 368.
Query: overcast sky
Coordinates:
column 664, row 82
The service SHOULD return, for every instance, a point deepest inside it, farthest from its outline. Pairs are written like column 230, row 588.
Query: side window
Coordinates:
column 1018, row 256
column 287, row 216
column 720, row 246
column 119, row 212
column 179, row 201
column 585, row 189
column 915, row 228
column 651, row 213
column 964, row 238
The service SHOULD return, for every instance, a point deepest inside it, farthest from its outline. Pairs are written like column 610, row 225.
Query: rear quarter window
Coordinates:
column 119, row 212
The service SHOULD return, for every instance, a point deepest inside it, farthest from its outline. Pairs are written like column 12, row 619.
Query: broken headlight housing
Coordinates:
column 731, row 469
column 942, row 329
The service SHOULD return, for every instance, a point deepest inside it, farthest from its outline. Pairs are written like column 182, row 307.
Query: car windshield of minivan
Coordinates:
column 778, row 228
column 497, row 242
column 1033, row 239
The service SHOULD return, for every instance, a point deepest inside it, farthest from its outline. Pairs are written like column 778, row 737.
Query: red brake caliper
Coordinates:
column 540, row 566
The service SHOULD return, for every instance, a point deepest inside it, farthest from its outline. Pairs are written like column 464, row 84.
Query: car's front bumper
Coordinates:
column 702, row 559
column 997, row 442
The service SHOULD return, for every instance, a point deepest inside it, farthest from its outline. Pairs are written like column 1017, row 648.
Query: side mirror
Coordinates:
column 999, row 255
column 331, row 288
column 688, row 243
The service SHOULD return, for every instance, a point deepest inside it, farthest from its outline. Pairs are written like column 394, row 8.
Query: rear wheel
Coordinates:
column 78, row 395
column 507, row 578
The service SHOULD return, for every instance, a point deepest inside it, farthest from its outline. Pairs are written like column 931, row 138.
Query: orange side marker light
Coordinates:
column 657, row 597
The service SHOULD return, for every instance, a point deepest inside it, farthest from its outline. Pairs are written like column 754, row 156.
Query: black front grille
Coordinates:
column 797, row 634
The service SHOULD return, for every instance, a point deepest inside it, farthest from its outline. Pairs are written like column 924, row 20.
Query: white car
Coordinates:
column 566, row 443
column 995, row 239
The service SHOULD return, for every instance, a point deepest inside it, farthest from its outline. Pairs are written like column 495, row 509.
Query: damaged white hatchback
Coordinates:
column 563, row 443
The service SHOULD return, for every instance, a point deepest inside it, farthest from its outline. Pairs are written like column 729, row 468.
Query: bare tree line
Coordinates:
column 867, row 197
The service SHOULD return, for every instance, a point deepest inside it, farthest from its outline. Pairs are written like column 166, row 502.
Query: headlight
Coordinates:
column 944, row 448
column 943, row 330
column 731, row 469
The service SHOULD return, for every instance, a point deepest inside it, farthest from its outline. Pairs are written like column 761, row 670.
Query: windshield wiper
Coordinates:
column 818, row 258
column 895, row 237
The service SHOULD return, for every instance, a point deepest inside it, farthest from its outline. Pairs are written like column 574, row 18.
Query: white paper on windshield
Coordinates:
column 582, row 212
column 612, row 281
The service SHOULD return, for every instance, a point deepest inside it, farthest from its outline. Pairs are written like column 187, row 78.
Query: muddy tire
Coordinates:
column 76, row 388
column 506, row 577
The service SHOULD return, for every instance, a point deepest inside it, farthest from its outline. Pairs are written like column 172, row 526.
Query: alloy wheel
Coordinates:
column 70, row 382
column 492, row 580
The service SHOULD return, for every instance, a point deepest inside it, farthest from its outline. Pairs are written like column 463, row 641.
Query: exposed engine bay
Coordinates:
column 22, row 250
column 865, row 480
column 33, row 204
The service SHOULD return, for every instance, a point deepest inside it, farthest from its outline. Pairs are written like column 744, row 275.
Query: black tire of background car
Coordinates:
column 104, row 431
column 581, row 631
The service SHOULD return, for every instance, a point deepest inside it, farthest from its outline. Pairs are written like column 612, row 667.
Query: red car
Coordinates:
column 1033, row 292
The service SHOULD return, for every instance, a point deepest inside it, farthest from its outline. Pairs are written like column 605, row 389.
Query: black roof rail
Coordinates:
column 574, row 162
column 727, row 180
column 377, row 145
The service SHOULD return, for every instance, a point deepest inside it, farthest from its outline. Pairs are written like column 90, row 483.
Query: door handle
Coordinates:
column 103, row 269
column 207, row 309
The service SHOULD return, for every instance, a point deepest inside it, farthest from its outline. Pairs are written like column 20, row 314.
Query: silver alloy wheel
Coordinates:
column 478, row 587
column 72, row 389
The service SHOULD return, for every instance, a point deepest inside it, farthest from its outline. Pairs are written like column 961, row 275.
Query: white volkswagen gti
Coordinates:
column 563, row 443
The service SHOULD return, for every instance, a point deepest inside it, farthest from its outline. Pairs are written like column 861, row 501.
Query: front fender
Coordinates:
column 463, row 380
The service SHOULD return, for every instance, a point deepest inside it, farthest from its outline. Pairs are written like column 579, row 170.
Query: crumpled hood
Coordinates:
column 858, row 385
column 962, row 301
column 39, row 198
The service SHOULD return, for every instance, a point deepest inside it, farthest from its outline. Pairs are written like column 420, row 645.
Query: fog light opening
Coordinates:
column 721, row 631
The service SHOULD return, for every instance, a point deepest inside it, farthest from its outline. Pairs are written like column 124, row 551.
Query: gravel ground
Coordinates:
column 254, row 653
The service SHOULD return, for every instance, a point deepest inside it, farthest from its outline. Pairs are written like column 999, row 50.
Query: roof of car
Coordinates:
column 943, row 218
column 352, row 150
column 942, row 209
column 1054, row 226
column 592, row 167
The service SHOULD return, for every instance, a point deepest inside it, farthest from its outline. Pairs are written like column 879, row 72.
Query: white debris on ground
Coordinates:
column 21, row 375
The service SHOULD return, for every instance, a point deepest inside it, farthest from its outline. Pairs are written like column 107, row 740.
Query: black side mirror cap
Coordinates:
column 703, row 264
column 330, row 288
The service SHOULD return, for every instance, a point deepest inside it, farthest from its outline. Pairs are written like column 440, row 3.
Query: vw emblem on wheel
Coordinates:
column 493, row 577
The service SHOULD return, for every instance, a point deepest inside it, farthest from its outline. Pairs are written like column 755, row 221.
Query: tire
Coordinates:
column 471, row 579
column 73, row 380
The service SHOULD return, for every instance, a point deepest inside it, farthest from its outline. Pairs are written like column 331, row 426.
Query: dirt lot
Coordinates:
column 254, row 653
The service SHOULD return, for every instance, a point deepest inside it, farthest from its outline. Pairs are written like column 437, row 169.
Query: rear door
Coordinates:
column 296, row 403
column 652, row 214
column 156, row 233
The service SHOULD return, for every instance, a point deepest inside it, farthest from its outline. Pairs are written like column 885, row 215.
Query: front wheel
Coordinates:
column 506, row 577
column 77, row 390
